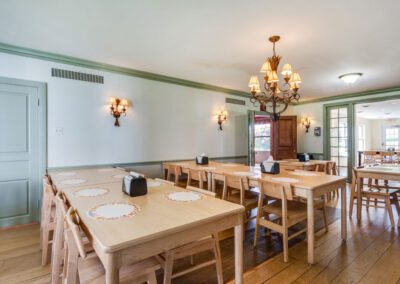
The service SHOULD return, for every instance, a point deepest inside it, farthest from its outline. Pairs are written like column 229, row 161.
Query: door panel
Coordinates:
column 19, row 153
column 284, row 138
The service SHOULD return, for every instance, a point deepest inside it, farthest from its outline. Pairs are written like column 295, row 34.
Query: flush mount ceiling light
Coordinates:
column 350, row 78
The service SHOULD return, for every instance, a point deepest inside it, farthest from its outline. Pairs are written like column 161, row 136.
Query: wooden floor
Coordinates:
column 370, row 255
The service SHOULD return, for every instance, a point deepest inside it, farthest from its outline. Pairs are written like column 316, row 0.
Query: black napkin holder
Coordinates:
column 270, row 168
column 304, row 157
column 134, row 186
column 202, row 160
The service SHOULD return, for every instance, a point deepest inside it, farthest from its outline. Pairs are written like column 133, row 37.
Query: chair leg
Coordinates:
column 45, row 246
column 325, row 218
column 390, row 212
column 151, row 278
column 395, row 200
column 351, row 205
column 218, row 260
column 285, row 245
column 169, row 262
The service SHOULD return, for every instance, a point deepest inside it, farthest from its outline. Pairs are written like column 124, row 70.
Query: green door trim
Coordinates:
column 351, row 124
column 42, row 135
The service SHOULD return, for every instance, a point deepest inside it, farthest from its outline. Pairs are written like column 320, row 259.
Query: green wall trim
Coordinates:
column 64, row 59
column 146, row 163
column 348, row 96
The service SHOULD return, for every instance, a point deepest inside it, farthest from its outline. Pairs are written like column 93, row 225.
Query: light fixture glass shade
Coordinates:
column 266, row 67
column 112, row 100
column 295, row 78
column 273, row 78
column 124, row 102
column 350, row 78
column 254, row 82
column 287, row 70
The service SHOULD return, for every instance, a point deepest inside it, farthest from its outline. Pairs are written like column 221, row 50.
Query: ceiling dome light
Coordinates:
column 350, row 78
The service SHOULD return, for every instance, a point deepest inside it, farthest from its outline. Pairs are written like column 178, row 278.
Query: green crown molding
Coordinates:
column 48, row 56
column 348, row 96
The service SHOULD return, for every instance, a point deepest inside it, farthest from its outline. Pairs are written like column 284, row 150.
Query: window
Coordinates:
column 392, row 137
column 262, row 137
column 338, row 143
column 361, row 137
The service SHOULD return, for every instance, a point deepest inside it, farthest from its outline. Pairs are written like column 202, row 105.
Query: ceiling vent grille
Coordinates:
column 60, row 73
column 235, row 101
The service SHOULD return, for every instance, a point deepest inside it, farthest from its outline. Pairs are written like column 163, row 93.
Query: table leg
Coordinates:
column 310, row 226
column 344, row 218
column 239, row 253
column 112, row 269
column 209, row 179
column 359, row 205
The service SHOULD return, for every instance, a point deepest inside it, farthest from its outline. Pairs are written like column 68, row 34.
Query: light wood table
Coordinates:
column 212, row 166
column 295, row 164
column 89, row 176
column 160, row 225
column 384, row 171
column 308, row 187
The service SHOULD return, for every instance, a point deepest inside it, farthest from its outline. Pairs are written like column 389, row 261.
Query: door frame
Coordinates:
column 42, row 135
column 351, row 124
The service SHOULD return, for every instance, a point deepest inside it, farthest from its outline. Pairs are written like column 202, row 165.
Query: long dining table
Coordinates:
column 305, row 184
column 158, row 224
column 389, row 172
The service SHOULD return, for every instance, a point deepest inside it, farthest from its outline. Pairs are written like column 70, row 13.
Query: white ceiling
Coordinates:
column 219, row 42
column 379, row 110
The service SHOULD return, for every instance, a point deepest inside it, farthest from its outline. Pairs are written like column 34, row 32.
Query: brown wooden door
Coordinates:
column 284, row 138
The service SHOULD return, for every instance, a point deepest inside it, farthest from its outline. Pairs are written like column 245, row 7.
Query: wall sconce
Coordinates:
column 118, row 107
column 306, row 122
column 222, row 117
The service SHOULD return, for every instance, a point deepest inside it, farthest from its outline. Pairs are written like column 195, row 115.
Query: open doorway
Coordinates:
column 377, row 132
column 262, row 138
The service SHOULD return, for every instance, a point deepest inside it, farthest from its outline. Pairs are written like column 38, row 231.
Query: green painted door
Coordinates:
column 19, row 153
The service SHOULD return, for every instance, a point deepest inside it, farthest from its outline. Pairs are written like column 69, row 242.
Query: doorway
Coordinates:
column 22, row 150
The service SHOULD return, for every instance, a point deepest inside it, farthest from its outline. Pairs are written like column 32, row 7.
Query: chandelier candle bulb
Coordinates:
column 275, row 99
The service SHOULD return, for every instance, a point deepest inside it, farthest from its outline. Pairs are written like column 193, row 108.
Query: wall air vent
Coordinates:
column 235, row 101
column 60, row 73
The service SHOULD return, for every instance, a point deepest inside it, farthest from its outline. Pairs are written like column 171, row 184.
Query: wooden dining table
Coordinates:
column 389, row 172
column 159, row 225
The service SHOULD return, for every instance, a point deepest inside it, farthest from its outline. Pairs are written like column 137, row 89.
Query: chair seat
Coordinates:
column 250, row 200
column 295, row 210
column 91, row 270
column 379, row 191
column 318, row 202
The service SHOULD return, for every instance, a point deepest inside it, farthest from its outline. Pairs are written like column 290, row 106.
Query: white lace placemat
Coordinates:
column 120, row 175
column 283, row 179
column 73, row 181
column 183, row 196
column 152, row 183
column 305, row 174
column 90, row 192
column 66, row 174
column 381, row 168
column 113, row 211
column 244, row 174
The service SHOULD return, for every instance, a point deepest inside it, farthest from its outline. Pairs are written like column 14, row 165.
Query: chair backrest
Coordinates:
column 173, row 169
column 165, row 181
column 331, row 168
column 236, row 182
column 287, row 167
column 320, row 168
column 73, row 224
column 202, row 191
column 198, row 175
column 278, row 190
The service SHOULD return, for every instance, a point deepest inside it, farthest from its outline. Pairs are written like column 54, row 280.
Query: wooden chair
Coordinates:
column 236, row 189
column 165, row 181
column 288, row 211
column 198, row 176
column 380, row 195
column 58, row 256
column 175, row 171
column 47, row 219
column 369, row 157
column 204, row 244
column 89, row 268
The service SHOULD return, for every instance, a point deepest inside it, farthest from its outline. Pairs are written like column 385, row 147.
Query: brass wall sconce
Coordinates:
column 222, row 116
column 306, row 122
column 118, row 107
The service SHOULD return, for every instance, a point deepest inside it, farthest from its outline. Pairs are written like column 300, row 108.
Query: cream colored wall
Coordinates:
column 378, row 128
column 307, row 142
column 368, row 132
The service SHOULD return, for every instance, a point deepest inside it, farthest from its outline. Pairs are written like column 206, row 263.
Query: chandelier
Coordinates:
column 275, row 99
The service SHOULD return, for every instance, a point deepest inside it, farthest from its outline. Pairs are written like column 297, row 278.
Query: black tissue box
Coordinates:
column 304, row 157
column 134, row 186
column 202, row 160
column 269, row 168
